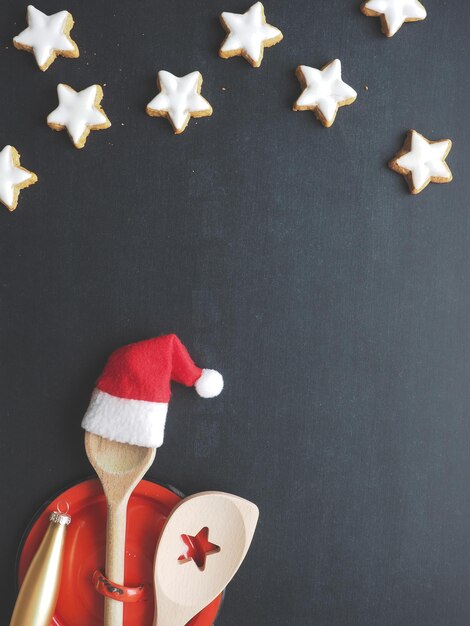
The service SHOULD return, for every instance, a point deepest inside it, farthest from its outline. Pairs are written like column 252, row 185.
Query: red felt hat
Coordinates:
column 130, row 401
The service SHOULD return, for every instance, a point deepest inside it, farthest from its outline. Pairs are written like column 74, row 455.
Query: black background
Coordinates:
column 284, row 254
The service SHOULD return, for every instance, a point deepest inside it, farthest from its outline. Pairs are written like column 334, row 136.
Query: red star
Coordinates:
column 198, row 548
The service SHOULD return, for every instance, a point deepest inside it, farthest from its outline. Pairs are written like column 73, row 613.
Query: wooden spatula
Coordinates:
column 120, row 467
column 202, row 545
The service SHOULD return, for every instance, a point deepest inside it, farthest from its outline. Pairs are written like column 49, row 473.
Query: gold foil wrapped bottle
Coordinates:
column 38, row 595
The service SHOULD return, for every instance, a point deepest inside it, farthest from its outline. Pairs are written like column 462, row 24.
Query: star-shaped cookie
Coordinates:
column 422, row 161
column 248, row 35
column 324, row 91
column 179, row 99
column 13, row 177
column 394, row 13
column 79, row 112
column 47, row 37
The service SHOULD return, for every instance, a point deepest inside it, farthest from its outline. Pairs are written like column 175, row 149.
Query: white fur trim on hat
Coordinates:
column 209, row 384
column 137, row 422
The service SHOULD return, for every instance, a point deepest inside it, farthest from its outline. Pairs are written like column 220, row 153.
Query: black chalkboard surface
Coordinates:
column 284, row 254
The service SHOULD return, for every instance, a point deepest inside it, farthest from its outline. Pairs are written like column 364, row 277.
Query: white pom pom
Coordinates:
column 209, row 384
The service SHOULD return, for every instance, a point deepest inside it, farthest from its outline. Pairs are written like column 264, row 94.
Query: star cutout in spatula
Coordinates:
column 198, row 548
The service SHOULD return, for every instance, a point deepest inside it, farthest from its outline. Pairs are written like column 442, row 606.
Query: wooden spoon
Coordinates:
column 225, row 525
column 120, row 467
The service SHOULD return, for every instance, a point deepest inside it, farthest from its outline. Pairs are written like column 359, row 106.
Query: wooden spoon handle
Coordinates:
column 115, row 556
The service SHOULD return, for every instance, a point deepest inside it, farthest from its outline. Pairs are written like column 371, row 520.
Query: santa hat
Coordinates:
column 130, row 401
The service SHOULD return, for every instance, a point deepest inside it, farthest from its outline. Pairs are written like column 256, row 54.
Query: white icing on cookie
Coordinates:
column 12, row 177
column 248, row 34
column 425, row 161
column 324, row 91
column 395, row 12
column 179, row 99
column 78, row 112
column 47, row 36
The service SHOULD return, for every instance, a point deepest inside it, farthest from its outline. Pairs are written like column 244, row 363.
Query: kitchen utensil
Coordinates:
column 202, row 545
column 120, row 467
